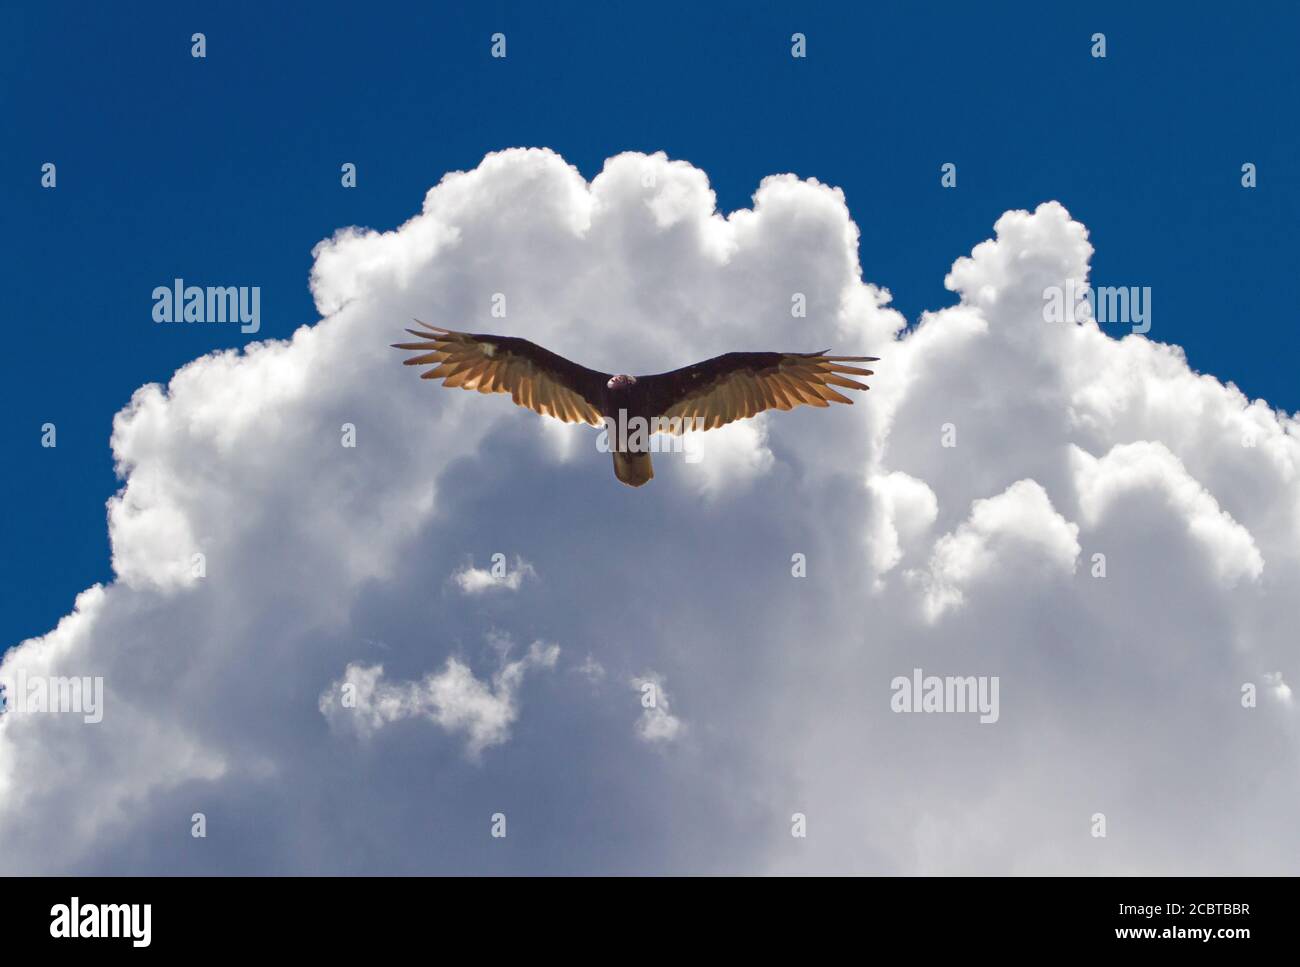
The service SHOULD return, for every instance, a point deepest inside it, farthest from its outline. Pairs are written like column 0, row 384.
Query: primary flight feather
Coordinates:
column 704, row 396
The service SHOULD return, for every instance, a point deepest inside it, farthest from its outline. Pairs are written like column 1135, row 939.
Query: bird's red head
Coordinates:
column 620, row 381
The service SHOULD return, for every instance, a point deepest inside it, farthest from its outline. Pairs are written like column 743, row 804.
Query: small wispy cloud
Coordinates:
column 363, row 702
column 477, row 580
column 657, row 723
column 1281, row 690
column 592, row 670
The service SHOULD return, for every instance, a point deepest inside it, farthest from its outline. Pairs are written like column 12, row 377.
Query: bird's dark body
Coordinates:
column 650, row 395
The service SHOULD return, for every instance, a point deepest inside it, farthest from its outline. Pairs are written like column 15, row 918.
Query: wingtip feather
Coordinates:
column 426, row 325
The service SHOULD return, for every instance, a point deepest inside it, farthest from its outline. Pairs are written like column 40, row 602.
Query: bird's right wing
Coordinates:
column 736, row 386
column 534, row 377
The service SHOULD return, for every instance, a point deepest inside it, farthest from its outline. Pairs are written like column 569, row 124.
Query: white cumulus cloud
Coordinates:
column 1118, row 693
column 1017, row 527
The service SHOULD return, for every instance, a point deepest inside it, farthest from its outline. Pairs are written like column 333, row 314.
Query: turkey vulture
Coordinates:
column 730, row 387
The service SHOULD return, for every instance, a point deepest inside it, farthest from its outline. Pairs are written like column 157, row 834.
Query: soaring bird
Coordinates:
column 733, row 386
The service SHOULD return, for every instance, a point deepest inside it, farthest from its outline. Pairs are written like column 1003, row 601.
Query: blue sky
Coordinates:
column 227, row 169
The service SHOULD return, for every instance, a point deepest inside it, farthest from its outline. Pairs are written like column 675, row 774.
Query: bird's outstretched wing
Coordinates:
column 534, row 377
column 739, row 385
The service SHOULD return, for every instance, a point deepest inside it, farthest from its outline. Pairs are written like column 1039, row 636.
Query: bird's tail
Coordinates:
column 634, row 469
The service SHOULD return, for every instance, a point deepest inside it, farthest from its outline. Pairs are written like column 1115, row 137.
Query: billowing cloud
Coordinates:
column 1017, row 526
column 902, row 510
column 1113, row 536
column 1145, row 467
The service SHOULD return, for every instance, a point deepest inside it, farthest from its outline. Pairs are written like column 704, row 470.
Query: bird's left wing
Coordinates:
column 736, row 386
column 534, row 377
